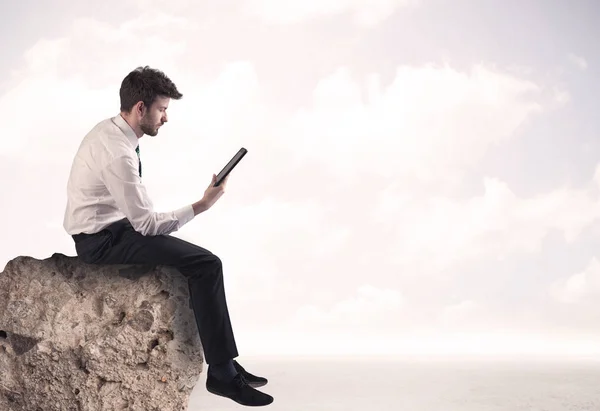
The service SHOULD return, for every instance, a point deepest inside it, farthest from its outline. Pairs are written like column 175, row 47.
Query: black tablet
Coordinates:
column 232, row 163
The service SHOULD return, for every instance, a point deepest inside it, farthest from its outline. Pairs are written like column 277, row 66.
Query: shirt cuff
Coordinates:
column 184, row 215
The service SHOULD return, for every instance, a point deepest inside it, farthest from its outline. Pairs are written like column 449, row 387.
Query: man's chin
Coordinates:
column 151, row 133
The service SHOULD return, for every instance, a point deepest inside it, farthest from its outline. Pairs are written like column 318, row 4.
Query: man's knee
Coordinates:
column 217, row 260
column 208, row 264
column 208, row 259
column 216, row 264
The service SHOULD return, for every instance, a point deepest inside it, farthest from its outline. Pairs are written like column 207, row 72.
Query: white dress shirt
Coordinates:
column 104, row 185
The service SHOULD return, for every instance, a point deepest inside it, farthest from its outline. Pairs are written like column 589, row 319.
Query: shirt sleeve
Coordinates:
column 124, row 184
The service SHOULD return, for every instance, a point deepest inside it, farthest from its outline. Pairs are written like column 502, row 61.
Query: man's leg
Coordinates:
column 121, row 244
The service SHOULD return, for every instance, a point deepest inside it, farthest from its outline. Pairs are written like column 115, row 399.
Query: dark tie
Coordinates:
column 137, row 150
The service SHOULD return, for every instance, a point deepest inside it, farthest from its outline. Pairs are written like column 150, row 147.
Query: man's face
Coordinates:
column 155, row 116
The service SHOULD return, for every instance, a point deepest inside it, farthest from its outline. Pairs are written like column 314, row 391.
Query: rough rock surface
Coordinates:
column 81, row 337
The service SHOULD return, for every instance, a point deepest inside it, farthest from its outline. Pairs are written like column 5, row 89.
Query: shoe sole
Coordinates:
column 239, row 402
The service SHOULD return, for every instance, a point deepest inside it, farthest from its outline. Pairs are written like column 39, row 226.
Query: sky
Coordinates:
column 422, row 176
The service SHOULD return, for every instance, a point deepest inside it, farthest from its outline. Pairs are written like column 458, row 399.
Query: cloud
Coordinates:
column 437, row 233
column 339, row 200
column 56, row 75
column 365, row 13
column 582, row 288
column 157, row 38
column 456, row 314
column 368, row 307
column 427, row 122
column 578, row 61
column 561, row 96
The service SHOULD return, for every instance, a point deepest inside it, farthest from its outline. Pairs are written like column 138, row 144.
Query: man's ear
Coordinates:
column 140, row 108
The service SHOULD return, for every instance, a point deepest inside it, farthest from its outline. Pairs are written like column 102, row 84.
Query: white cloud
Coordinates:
column 580, row 288
column 71, row 80
column 427, row 122
column 252, row 237
column 458, row 314
column 562, row 96
column 439, row 232
column 225, row 110
column 370, row 306
column 305, row 204
column 93, row 50
column 365, row 13
column 579, row 61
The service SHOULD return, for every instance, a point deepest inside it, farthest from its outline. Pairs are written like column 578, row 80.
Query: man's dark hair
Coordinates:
column 145, row 84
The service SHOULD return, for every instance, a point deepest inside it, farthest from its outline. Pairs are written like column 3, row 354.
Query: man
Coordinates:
column 112, row 221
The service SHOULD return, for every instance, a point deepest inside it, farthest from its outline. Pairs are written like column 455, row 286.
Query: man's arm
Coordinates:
column 199, row 207
column 122, row 180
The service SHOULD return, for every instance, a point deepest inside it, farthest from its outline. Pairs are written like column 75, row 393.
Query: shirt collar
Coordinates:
column 126, row 129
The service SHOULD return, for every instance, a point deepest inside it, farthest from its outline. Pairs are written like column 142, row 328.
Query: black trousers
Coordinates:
column 119, row 243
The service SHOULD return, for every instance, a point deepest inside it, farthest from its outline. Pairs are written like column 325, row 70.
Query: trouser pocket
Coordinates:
column 94, row 248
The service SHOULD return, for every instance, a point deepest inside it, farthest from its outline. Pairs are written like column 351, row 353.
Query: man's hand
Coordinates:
column 211, row 195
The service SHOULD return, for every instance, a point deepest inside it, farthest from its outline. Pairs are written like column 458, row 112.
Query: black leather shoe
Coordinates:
column 238, row 390
column 253, row 380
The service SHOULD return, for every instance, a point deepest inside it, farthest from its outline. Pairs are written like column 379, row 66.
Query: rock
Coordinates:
column 81, row 337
